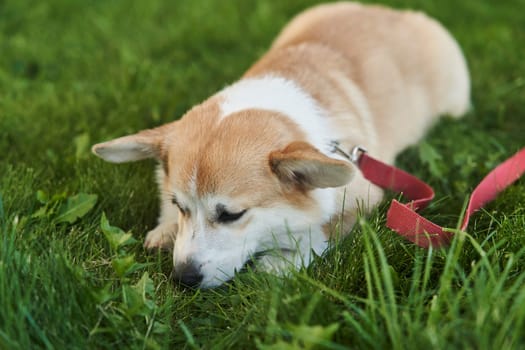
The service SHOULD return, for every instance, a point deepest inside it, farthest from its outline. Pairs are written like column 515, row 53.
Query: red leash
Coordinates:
column 403, row 218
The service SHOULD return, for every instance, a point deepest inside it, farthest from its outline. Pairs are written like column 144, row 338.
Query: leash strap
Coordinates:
column 403, row 218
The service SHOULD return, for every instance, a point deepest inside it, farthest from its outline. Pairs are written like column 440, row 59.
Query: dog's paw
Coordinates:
column 161, row 237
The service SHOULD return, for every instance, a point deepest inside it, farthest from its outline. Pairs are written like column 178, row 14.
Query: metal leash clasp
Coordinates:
column 353, row 156
column 356, row 154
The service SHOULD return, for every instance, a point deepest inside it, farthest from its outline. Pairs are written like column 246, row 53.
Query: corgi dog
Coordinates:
column 250, row 173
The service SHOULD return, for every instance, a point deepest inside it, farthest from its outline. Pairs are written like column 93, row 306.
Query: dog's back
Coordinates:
column 394, row 71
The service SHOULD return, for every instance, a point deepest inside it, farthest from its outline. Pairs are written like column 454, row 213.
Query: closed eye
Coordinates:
column 174, row 201
column 226, row 217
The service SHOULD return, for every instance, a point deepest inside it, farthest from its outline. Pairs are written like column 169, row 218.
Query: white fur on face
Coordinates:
column 221, row 249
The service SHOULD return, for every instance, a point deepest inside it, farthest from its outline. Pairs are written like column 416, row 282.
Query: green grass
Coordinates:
column 73, row 73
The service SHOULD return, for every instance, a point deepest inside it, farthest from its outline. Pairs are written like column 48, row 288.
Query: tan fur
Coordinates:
column 224, row 163
column 373, row 47
column 304, row 167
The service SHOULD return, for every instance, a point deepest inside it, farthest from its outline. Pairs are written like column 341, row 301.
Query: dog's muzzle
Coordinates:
column 187, row 274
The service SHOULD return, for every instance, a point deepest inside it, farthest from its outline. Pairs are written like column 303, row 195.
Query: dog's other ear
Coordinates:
column 143, row 145
column 302, row 165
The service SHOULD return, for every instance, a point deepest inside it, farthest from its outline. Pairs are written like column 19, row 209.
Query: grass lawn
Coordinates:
column 73, row 273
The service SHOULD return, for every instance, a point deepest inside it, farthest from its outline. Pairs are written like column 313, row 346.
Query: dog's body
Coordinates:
column 251, row 170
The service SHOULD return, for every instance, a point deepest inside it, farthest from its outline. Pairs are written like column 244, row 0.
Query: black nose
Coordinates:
column 187, row 274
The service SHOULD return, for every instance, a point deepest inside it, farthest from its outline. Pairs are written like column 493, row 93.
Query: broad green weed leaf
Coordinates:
column 104, row 294
column 134, row 302
column 107, row 228
column 145, row 286
column 61, row 208
column 76, row 207
column 125, row 265
column 146, row 289
column 115, row 235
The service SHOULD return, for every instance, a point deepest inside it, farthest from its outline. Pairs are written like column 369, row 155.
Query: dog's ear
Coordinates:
column 302, row 165
column 143, row 145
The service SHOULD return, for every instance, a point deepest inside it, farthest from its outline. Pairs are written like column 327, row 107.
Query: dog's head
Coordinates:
column 241, row 185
